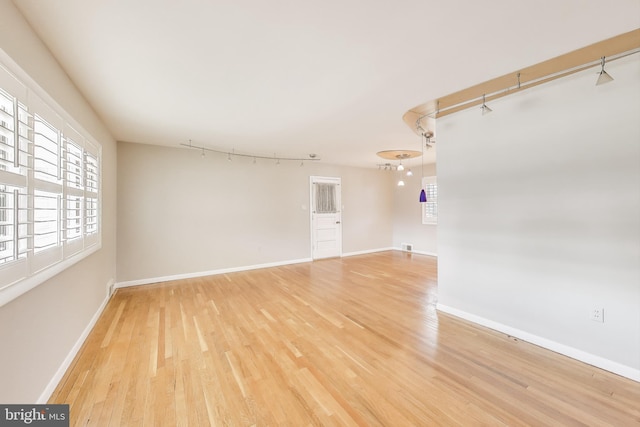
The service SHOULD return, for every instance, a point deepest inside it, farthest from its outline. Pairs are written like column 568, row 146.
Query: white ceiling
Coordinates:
column 331, row 77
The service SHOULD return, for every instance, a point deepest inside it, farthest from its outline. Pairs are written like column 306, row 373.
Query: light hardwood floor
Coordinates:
column 351, row 341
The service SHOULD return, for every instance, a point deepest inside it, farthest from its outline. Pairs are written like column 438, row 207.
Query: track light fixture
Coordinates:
column 484, row 108
column 232, row 154
column 603, row 76
column 400, row 156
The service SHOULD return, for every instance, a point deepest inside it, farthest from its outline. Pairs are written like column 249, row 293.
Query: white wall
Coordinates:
column 39, row 329
column 179, row 213
column 539, row 206
column 407, row 213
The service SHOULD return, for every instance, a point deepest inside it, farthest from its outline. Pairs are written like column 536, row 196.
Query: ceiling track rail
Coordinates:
column 232, row 153
column 576, row 61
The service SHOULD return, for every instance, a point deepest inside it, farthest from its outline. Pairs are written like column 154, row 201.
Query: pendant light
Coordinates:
column 423, row 194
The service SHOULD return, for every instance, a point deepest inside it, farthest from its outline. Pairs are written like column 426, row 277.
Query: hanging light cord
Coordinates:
column 422, row 158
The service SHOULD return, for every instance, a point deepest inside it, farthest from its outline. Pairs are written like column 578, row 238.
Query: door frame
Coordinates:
column 323, row 179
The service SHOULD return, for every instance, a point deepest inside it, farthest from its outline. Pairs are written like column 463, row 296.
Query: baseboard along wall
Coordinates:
column 574, row 353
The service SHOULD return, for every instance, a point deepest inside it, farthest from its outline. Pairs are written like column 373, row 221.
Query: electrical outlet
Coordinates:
column 597, row 314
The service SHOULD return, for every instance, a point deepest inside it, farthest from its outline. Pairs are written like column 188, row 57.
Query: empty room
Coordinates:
column 409, row 213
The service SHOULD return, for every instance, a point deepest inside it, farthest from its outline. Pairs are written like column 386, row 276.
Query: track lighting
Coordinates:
column 409, row 173
column 232, row 154
column 603, row 76
column 400, row 167
column 484, row 108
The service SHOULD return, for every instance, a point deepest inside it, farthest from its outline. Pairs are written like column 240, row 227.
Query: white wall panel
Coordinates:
column 179, row 213
column 539, row 212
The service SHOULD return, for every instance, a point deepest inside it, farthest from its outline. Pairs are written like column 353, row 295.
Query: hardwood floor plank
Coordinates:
column 350, row 341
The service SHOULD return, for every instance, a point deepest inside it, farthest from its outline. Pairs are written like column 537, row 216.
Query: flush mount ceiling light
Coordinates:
column 603, row 76
column 484, row 108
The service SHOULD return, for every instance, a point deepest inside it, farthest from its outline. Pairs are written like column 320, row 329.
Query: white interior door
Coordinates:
column 326, row 217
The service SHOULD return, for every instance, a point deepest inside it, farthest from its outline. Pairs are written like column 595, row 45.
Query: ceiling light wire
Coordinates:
column 423, row 194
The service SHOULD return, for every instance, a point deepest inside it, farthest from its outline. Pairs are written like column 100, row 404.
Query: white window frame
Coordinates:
column 430, row 185
column 56, row 187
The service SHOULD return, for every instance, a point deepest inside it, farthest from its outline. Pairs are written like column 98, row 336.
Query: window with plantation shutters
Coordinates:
column 13, row 180
column 430, row 207
column 49, row 186
column 91, row 194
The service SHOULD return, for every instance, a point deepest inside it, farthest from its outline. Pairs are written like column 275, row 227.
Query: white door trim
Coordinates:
column 312, row 222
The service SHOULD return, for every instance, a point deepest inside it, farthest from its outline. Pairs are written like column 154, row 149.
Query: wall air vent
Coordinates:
column 407, row 247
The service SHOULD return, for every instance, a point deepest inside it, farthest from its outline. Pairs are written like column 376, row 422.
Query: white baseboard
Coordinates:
column 53, row 383
column 207, row 273
column 574, row 353
column 433, row 254
column 371, row 251
column 368, row 251
column 161, row 279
